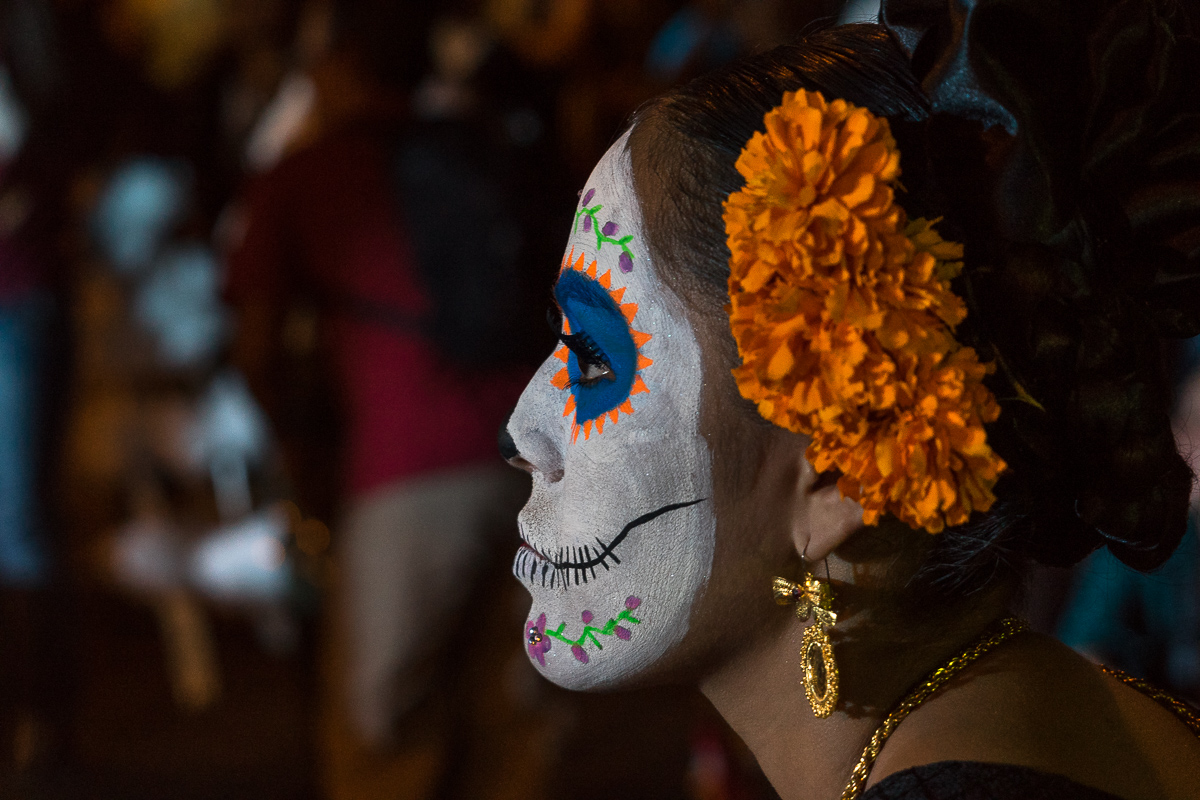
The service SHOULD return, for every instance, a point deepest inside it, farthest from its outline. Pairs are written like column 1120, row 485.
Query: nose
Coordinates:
column 533, row 436
column 508, row 448
column 536, row 454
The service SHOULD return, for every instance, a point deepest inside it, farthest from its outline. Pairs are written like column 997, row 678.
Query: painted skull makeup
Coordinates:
column 618, row 532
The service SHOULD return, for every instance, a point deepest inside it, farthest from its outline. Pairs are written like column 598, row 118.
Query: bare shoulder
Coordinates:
column 1038, row 704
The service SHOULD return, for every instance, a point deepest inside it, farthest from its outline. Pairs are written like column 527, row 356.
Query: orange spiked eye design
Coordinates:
column 600, row 350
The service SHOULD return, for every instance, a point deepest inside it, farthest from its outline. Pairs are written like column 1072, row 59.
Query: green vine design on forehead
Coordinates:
column 606, row 233
column 539, row 634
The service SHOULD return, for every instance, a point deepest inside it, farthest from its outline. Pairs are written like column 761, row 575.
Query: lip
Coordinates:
column 524, row 545
column 529, row 565
column 527, row 545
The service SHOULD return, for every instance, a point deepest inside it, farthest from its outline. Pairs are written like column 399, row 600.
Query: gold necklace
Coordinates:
column 1006, row 629
column 1184, row 712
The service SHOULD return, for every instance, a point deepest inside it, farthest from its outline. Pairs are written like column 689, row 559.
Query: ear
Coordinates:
column 822, row 519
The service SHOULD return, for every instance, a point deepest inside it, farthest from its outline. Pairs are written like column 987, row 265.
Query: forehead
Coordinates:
column 608, row 226
column 613, row 177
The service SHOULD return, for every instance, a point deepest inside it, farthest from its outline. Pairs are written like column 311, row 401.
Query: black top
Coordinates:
column 976, row 780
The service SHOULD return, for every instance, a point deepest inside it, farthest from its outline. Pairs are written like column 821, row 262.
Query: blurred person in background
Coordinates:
column 363, row 266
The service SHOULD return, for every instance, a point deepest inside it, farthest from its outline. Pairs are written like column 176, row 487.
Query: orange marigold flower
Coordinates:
column 844, row 317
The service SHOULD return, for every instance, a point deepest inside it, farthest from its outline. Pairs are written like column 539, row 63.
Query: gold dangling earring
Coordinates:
column 820, row 670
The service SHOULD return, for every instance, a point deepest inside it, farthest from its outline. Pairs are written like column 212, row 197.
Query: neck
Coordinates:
column 760, row 694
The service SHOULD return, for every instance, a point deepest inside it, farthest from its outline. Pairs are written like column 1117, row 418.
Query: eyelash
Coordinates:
column 584, row 348
column 589, row 355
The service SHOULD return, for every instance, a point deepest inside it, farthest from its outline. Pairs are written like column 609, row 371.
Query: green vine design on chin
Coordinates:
column 611, row 628
column 605, row 234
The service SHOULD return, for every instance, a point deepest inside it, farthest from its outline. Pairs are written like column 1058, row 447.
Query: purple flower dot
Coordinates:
column 610, row 229
column 587, row 198
column 587, row 617
column 632, row 602
column 625, row 262
column 622, row 633
column 538, row 643
column 580, row 654
column 587, row 223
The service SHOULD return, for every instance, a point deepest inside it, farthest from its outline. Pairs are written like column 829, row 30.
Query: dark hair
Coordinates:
column 1092, row 461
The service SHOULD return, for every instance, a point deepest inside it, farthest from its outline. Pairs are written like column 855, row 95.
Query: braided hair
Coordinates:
column 1068, row 163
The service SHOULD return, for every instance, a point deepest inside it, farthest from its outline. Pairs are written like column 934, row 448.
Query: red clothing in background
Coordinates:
column 323, row 223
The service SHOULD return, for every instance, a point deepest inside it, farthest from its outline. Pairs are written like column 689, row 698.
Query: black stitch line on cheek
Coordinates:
column 581, row 560
column 608, row 550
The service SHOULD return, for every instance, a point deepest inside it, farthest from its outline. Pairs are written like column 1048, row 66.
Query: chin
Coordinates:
column 609, row 633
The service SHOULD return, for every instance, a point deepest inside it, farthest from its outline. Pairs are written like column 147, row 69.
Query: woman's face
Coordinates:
column 618, row 534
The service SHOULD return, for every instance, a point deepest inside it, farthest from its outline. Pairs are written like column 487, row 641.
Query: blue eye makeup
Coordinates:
column 600, row 348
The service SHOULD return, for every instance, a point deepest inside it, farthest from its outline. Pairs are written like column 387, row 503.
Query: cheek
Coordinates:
column 753, row 477
column 752, row 537
column 621, row 537
column 652, row 471
column 612, row 624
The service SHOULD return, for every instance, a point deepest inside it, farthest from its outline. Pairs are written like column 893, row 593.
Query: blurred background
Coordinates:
column 272, row 272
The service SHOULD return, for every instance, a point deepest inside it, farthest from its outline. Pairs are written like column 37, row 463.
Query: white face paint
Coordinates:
column 618, row 533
